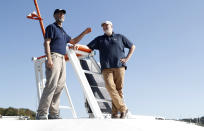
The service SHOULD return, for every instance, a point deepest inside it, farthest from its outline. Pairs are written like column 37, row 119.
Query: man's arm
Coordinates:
column 48, row 53
column 76, row 46
column 78, row 38
column 124, row 60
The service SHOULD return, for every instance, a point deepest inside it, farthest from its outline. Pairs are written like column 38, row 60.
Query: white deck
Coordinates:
column 137, row 124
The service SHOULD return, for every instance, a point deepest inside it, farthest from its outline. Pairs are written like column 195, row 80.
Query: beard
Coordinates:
column 108, row 32
column 61, row 20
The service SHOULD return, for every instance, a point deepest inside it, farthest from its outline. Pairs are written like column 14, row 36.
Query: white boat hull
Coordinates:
column 136, row 124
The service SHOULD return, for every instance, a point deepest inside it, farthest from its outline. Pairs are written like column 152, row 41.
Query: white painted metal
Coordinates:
column 40, row 83
column 41, row 77
column 89, row 72
column 70, row 102
column 81, row 76
column 84, row 84
column 36, row 67
column 102, row 100
column 93, row 61
column 137, row 124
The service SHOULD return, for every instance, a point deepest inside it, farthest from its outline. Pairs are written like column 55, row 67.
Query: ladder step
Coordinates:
column 102, row 87
column 65, row 107
column 103, row 100
column 93, row 73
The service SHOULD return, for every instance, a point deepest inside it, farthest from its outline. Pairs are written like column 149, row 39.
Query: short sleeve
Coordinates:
column 49, row 32
column 94, row 44
column 68, row 38
column 126, row 42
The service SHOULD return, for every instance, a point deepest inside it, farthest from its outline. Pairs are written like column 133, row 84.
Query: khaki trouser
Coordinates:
column 114, row 79
column 55, row 82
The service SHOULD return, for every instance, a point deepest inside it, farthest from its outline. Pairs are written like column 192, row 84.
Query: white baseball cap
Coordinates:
column 106, row 22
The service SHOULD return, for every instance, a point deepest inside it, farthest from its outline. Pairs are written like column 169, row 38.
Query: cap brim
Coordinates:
column 104, row 23
column 107, row 23
column 64, row 11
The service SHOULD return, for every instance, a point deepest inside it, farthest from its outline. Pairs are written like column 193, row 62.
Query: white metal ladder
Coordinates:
column 84, row 82
column 92, row 100
column 40, row 82
column 93, row 74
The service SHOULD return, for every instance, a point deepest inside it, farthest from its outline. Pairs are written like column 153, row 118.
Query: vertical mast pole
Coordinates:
column 40, row 20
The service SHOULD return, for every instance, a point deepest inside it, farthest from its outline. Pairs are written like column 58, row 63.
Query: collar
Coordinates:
column 113, row 34
column 55, row 23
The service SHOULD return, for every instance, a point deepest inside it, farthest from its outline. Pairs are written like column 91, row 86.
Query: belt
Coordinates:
column 57, row 54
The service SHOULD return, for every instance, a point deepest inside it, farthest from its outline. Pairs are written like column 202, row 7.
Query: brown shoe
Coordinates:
column 123, row 115
column 114, row 116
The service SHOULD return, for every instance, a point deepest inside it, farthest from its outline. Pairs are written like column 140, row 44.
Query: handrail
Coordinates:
column 81, row 48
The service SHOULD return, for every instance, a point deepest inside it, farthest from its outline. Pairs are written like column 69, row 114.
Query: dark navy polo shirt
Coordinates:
column 111, row 49
column 59, row 38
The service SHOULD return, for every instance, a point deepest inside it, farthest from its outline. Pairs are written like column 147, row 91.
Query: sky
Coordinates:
column 165, row 75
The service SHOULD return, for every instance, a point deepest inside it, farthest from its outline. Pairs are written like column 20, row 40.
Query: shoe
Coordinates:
column 54, row 117
column 114, row 116
column 123, row 115
column 41, row 117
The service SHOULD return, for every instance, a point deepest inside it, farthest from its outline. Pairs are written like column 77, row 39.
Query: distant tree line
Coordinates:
column 17, row 112
column 198, row 121
column 27, row 112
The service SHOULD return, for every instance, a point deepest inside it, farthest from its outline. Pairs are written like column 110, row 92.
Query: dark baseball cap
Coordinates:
column 59, row 10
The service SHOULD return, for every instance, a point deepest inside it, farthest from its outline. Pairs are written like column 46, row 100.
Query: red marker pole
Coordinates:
column 40, row 20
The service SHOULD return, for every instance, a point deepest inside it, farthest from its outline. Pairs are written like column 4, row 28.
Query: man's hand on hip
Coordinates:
column 123, row 60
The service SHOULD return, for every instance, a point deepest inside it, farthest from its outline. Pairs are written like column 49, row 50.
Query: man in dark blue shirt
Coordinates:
column 111, row 48
column 55, row 43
